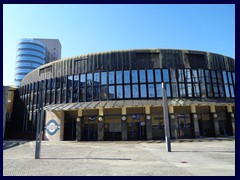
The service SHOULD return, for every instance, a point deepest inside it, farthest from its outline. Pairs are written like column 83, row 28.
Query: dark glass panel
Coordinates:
column 173, row 75
column 104, row 92
column 233, row 75
column 207, row 76
column 201, row 76
column 221, row 90
column 174, row 90
column 69, row 90
column 209, row 90
column 64, row 89
column 189, row 90
column 75, row 88
column 168, row 90
column 214, row 76
column 215, row 90
column 89, row 93
column 219, row 76
column 196, row 90
column 53, row 91
column 203, row 90
column 232, row 91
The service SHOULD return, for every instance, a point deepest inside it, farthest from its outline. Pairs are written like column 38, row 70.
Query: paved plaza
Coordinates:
column 121, row 158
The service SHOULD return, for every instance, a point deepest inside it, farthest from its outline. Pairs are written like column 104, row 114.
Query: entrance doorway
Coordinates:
column 206, row 127
column 136, row 128
column 112, row 128
column 184, row 126
column 90, row 128
column 69, row 128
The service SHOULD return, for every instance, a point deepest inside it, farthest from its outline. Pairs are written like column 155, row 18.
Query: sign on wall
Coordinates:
column 52, row 127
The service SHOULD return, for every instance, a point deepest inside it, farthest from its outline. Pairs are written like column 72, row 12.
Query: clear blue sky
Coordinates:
column 94, row 28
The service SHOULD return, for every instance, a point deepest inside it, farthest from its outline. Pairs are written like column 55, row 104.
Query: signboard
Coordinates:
column 52, row 127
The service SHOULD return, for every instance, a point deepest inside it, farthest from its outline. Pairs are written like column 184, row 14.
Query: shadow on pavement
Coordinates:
column 11, row 144
column 89, row 158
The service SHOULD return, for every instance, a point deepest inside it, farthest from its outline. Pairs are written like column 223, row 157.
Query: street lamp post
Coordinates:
column 165, row 116
column 39, row 122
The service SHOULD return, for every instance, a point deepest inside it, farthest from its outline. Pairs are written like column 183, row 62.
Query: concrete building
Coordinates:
column 32, row 53
column 117, row 95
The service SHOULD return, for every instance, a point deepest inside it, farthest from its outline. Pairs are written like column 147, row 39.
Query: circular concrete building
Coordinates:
column 117, row 95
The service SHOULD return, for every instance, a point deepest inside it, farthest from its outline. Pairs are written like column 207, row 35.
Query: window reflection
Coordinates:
column 159, row 90
column 127, row 91
column 194, row 76
column 221, row 90
column 119, row 77
column 180, row 75
column 111, row 77
column 158, row 77
column 69, row 88
column 142, row 75
column 75, row 88
column 111, row 92
column 104, row 92
column 229, row 77
column 151, row 91
column 63, row 96
column 173, row 75
column 150, row 75
column 143, row 90
column 168, row 90
column 189, row 89
column 165, row 75
column 232, row 91
column 135, row 91
column 233, row 75
column 126, row 77
column 103, row 78
column 89, row 79
column 215, row 90
column 201, row 76
column 182, row 90
column 82, row 91
column 227, row 91
column 219, row 76
column 214, row 77
column 96, row 86
column 225, row 77
column 119, row 92
column 209, row 90
column 134, row 76
column 188, row 75
column 196, row 90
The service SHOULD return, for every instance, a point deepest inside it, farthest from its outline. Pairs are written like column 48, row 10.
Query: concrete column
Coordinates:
column 194, row 119
column 232, row 118
column 148, row 120
column 5, row 102
column 173, row 122
column 79, row 121
column 124, row 124
column 214, row 118
column 54, row 125
column 100, row 125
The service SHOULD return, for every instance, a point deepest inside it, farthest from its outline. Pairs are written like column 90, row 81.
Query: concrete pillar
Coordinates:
column 124, row 124
column 148, row 122
column 54, row 125
column 194, row 119
column 173, row 122
column 214, row 118
column 5, row 102
column 232, row 118
column 100, row 124
column 79, row 121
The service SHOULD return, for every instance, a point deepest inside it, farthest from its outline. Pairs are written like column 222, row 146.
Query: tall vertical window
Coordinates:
column 150, row 76
column 119, row 77
column 111, row 77
column 119, row 92
column 75, row 88
column 96, row 86
column 82, row 89
column 69, row 88
column 202, row 83
column 126, row 76
column 174, row 83
column 52, row 91
column 64, row 86
column 158, row 76
column 89, row 86
column 134, row 76
column 104, row 89
column 58, row 90
column 142, row 75
column 165, row 75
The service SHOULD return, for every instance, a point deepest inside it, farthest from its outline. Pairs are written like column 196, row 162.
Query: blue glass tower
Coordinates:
column 30, row 55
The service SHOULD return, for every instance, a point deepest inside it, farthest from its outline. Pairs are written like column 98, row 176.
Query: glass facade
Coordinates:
column 30, row 55
column 137, row 84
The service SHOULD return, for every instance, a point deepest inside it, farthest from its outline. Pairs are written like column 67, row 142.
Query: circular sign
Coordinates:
column 148, row 117
column 100, row 118
column 124, row 118
column 172, row 116
column 142, row 123
column 215, row 115
column 195, row 116
column 52, row 127
column 78, row 119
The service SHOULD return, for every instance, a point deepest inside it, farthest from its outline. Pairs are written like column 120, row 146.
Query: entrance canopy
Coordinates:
column 137, row 103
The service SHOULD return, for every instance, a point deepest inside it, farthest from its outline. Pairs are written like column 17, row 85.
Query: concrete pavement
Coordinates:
column 122, row 158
